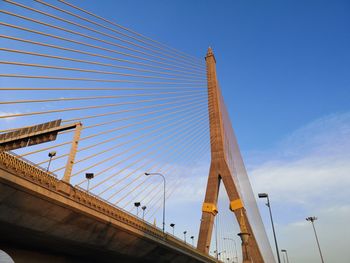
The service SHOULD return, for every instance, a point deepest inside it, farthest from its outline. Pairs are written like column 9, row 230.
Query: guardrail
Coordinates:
column 38, row 175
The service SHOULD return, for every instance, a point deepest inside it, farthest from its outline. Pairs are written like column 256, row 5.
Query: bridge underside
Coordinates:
column 86, row 241
column 39, row 225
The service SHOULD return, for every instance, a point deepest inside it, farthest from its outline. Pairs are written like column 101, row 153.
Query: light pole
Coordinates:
column 236, row 251
column 312, row 219
column 172, row 225
column 147, row 174
column 234, row 241
column 192, row 237
column 264, row 195
column 216, row 237
column 185, row 232
column 283, row 257
column 143, row 212
column 221, row 252
column 51, row 154
column 285, row 251
column 137, row 205
column 89, row 176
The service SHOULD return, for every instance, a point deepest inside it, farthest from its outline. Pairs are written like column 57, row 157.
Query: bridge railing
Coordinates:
column 167, row 236
column 33, row 164
column 38, row 175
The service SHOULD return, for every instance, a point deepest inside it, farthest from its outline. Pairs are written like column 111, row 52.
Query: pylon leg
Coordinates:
column 209, row 210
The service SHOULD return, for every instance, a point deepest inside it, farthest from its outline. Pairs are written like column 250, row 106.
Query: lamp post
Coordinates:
column 185, row 232
column 312, row 219
column 143, row 212
column 147, row 174
column 89, row 176
column 221, row 252
column 234, row 242
column 216, row 237
column 192, row 238
column 236, row 251
column 264, row 195
column 137, row 205
column 172, row 225
column 51, row 154
column 285, row 251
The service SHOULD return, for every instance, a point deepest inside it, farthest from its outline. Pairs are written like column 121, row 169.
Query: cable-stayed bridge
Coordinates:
column 115, row 105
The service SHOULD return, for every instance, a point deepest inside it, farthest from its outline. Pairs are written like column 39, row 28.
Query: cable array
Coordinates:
column 143, row 105
column 225, row 243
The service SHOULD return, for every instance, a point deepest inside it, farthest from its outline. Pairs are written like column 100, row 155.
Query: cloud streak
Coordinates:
column 308, row 173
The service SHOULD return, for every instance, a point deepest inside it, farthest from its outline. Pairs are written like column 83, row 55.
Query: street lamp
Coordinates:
column 312, row 219
column 147, row 174
column 264, row 195
column 215, row 223
column 143, row 212
column 89, row 176
column 234, row 241
column 192, row 237
column 137, row 204
column 221, row 252
column 185, row 232
column 172, row 225
column 285, row 251
column 51, row 154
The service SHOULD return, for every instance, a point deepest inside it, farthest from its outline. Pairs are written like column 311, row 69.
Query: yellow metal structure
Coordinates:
column 236, row 204
column 210, row 208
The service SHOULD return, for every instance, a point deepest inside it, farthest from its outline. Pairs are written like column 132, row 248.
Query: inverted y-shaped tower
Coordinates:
column 227, row 166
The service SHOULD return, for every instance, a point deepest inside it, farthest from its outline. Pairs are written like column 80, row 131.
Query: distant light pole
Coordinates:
column 51, row 154
column 147, row 174
column 89, row 176
column 236, row 251
column 172, row 225
column 221, row 252
column 143, row 212
column 312, row 219
column 137, row 205
column 185, row 232
column 234, row 241
column 264, row 195
column 283, row 257
column 285, row 251
column 216, row 237
column 192, row 237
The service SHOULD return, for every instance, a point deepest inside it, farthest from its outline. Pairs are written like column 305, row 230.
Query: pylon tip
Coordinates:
column 210, row 51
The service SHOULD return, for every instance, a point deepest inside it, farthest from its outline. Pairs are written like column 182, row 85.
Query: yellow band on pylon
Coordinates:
column 210, row 208
column 236, row 204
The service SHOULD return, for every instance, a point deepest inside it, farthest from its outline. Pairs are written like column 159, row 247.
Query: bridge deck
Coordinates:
column 41, row 215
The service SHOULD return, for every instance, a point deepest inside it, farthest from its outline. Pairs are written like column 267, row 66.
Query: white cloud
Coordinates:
column 309, row 174
column 193, row 184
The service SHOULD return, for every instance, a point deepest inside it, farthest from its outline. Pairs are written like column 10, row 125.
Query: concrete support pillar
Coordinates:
column 219, row 171
column 73, row 151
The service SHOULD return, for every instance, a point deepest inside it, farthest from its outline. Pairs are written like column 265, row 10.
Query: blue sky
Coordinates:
column 283, row 67
column 281, row 64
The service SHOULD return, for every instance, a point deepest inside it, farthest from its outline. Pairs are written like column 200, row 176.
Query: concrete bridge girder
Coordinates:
column 39, row 222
